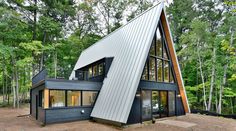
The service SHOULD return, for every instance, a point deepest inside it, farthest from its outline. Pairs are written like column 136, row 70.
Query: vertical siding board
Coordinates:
column 126, row 50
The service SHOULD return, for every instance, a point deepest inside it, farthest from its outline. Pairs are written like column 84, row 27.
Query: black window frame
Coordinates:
column 168, row 60
column 66, row 95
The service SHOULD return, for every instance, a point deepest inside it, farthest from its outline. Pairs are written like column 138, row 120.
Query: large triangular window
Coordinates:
column 158, row 66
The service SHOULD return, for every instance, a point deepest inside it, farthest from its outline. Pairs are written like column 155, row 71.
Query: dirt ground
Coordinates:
column 10, row 121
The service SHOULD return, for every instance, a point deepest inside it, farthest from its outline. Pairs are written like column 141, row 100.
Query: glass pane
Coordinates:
column 57, row 98
column 90, row 72
column 158, row 43
column 41, row 98
column 95, row 70
column 171, row 101
column 100, row 68
column 89, row 98
column 155, row 103
column 159, row 70
column 73, row 98
column 146, row 105
column 165, row 53
column 145, row 73
column 171, row 76
column 166, row 71
column 152, row 69
column 152, row 50
column 163, row 103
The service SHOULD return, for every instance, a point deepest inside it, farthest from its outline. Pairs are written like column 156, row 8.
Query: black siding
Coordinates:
column 67, row 114
column 135, row 113
column 34, row 92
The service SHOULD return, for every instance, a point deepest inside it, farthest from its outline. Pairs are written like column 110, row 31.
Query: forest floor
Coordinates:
column 10, row 121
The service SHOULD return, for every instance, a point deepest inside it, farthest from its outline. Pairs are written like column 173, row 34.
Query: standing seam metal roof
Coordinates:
column 129, row 45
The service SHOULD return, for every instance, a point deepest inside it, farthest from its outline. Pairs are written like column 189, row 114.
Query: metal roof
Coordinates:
column 129, row 45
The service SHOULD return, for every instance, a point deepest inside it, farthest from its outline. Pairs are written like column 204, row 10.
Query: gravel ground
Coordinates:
column 10, row 122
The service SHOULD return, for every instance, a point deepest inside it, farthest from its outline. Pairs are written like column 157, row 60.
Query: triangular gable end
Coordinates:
column 174, row 60
column 162, row 64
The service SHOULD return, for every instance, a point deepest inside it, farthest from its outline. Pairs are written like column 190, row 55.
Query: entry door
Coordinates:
column 36, row 104
column 163, row 104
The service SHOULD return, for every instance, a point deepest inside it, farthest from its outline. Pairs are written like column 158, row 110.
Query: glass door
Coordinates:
column 163, row 104
column 146, row 105
column 155, row 104
column 171, row 103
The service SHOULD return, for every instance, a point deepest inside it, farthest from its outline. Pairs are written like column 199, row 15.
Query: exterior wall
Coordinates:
column 55, row 115
column 41, row 113
column 135, row 113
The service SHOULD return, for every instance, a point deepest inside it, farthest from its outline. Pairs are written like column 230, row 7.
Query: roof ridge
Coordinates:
column 124, row 25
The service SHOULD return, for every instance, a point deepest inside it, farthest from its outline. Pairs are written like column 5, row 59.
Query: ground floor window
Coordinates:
column 89, row 98
column 157, row 104
column 146, row 105
column 73, row 98
column 69, row 98
column 57, row 98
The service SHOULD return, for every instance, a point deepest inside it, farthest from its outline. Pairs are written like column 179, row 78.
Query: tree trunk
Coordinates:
column 232, row 106
column 55, row 64
column 34, row 36
column 17, row 87
column 202, row 76
column 35, row 20
column 14, row 90
column 225, row 72
column 42, row 55
column 212, row 79
column 216, row 100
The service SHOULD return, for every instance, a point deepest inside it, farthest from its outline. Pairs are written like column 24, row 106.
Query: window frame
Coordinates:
column 162, row 59
column 66, row 95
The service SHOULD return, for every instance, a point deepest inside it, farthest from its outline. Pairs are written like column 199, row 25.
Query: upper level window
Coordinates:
column 159, row 63
column 100, row 68
column 95, row 70
column 90, row 72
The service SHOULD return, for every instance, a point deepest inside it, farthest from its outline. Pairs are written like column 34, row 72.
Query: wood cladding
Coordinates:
column 46, row 98
column 174, row 61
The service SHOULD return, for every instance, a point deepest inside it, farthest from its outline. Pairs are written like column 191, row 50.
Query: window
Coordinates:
column 159, row 64
column 158, row 43
column 145, row 73
column 73, row 98
column 95, row 70
column 100, row 68
column 57, row 98
column 152, row 50
column 159, row 70
column 171, row 76
column 152, row 69
column 146, row 105
column 90, row 72
column 41, row 98
column 89, row 98
column 166, row 71
column 171, row 103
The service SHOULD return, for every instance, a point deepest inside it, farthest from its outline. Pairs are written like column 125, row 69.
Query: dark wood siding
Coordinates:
column 67, row 114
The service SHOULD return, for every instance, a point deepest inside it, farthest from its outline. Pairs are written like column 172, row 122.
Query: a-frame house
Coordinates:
column 133, row 75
